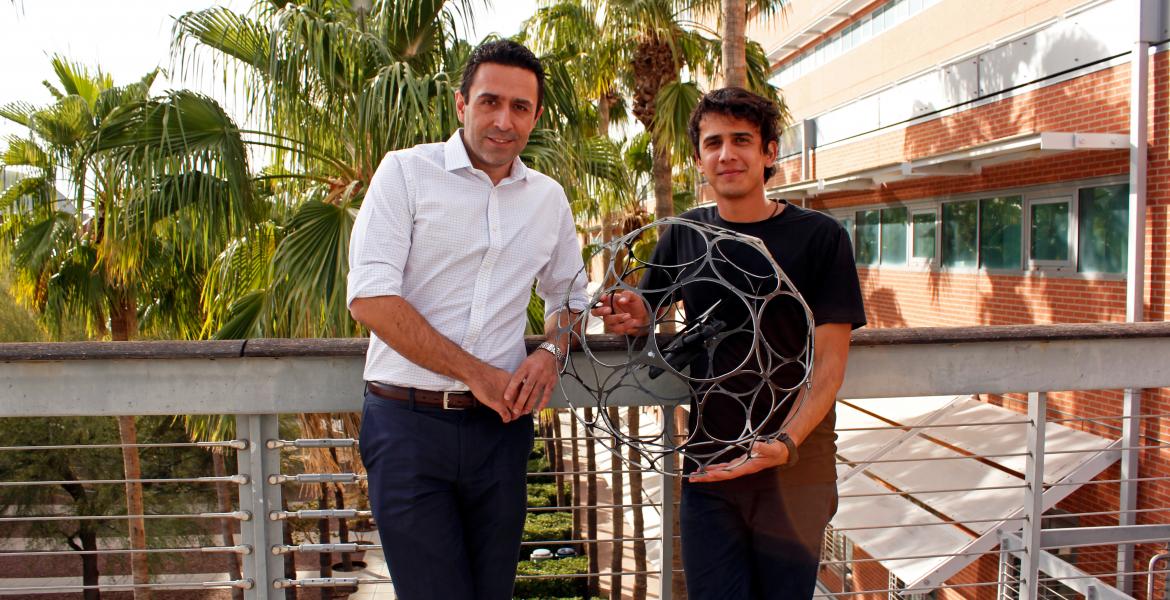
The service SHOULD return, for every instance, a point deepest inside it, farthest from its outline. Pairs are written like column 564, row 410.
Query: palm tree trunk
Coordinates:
column 619, row 517
column 343, row 530
column 591, row 505
column 123, row 326
column 734, row 43
column 663, row 187
column 325, row 536
column 223, row 497
column 575, row 459
column 132, row 467
column 558, row 463
column 634, row 422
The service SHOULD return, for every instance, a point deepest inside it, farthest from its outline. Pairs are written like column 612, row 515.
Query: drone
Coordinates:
column 740, row 381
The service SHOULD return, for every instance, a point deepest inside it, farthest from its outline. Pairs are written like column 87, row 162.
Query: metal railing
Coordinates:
column 1016, row 553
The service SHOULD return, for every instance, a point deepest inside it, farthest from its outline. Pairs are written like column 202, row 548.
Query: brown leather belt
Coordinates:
column 446, row 400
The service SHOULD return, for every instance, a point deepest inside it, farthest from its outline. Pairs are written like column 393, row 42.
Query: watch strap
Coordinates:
column 793, row 456
column 553, row 349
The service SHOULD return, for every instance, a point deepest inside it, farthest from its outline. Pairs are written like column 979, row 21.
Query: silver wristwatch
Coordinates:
column 554, row 350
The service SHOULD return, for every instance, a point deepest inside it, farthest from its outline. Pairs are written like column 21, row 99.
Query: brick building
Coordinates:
column 980, row 156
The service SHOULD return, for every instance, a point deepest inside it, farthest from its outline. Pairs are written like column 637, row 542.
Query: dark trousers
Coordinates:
column 758, row 544
column 447, row 489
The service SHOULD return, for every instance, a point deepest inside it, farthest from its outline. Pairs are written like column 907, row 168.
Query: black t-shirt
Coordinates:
column 814, row 252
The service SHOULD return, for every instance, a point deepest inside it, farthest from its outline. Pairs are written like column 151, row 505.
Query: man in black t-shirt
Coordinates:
column 752, row 528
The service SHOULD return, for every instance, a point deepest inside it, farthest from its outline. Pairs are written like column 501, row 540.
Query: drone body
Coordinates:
column 741, row 360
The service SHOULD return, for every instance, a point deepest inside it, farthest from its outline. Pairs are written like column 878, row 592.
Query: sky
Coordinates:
column 129, row 38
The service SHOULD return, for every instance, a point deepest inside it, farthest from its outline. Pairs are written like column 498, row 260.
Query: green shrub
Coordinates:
column 544, row 494
column 558, row 587
column 548, row 526
column 539, row 464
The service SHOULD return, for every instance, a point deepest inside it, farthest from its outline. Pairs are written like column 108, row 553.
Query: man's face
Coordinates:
column 731, row 156
column 498, row 114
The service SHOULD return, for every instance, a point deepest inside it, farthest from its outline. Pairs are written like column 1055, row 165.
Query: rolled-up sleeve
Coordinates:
column 381, row 237
column 562, row 281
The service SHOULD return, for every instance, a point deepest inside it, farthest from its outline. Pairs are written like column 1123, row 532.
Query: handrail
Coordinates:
column 340, row 347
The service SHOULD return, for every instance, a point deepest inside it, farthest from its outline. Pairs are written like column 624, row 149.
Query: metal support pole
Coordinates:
column 258, row 498
column 1127, row 503
column 1144, row 32
column 808, row 141
column 1033, row 496
column 666, row 578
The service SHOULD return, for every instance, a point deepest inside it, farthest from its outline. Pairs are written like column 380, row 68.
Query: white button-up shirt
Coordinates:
column 464, row 253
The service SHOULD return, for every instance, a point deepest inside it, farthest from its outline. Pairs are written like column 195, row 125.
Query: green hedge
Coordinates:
column 538, row 463
column 544, row 494
column 548, row 526
column 565, row 587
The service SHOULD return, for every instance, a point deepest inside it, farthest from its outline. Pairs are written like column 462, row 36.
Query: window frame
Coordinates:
column 977, row 266
column 877, row 256
column 1055, row 266
column 1019, row 267
column 1076, row 194
column 931, row 263
column 882, row 235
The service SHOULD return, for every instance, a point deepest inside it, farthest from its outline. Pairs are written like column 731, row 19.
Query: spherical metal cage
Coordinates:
column 748, row 357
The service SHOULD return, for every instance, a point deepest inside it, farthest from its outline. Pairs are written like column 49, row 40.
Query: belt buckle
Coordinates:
column 447, row 399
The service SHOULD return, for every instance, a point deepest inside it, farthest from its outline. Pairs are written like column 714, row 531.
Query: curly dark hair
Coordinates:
column 507, row 53
column 740, row 104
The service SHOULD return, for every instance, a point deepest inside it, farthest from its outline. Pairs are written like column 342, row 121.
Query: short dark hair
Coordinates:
column 740, row 104
column 507, row 53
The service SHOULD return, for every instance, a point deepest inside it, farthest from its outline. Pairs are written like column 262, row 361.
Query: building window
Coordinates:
column 886, row 16
column 1067, row 229
column 1103, row 229
column 866, row 232
column 999, row 232
column 960, row 233
column 924, row 236
column 893, row 239
column 847, row 224
column 1050, row 227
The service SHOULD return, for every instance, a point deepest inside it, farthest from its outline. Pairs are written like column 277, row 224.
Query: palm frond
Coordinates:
column 177, row 151
column 39, row 242
column 26, row 152
column 18, row 112
column 76, row 80
column 38, row 189
column 311, row 264
column 675, row 103
column 243, row 317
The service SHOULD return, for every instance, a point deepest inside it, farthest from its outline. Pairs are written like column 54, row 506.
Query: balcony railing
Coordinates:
column 998, row 462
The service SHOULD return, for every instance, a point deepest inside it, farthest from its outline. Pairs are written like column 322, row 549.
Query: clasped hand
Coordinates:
column 513, row 395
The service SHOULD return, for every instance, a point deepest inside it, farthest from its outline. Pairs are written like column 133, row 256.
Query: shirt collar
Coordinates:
column 455, row 157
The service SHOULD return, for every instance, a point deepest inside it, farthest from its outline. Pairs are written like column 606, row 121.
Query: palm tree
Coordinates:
column 156, row 185
column 732, row 19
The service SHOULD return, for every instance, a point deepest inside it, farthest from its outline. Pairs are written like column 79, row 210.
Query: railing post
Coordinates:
column 1003, row 578
column 666, row 578
column 258, row 498
column 1033, row 496
column 1127, row 502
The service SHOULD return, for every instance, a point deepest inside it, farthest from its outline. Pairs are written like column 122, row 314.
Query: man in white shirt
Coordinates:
column 444, row 252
